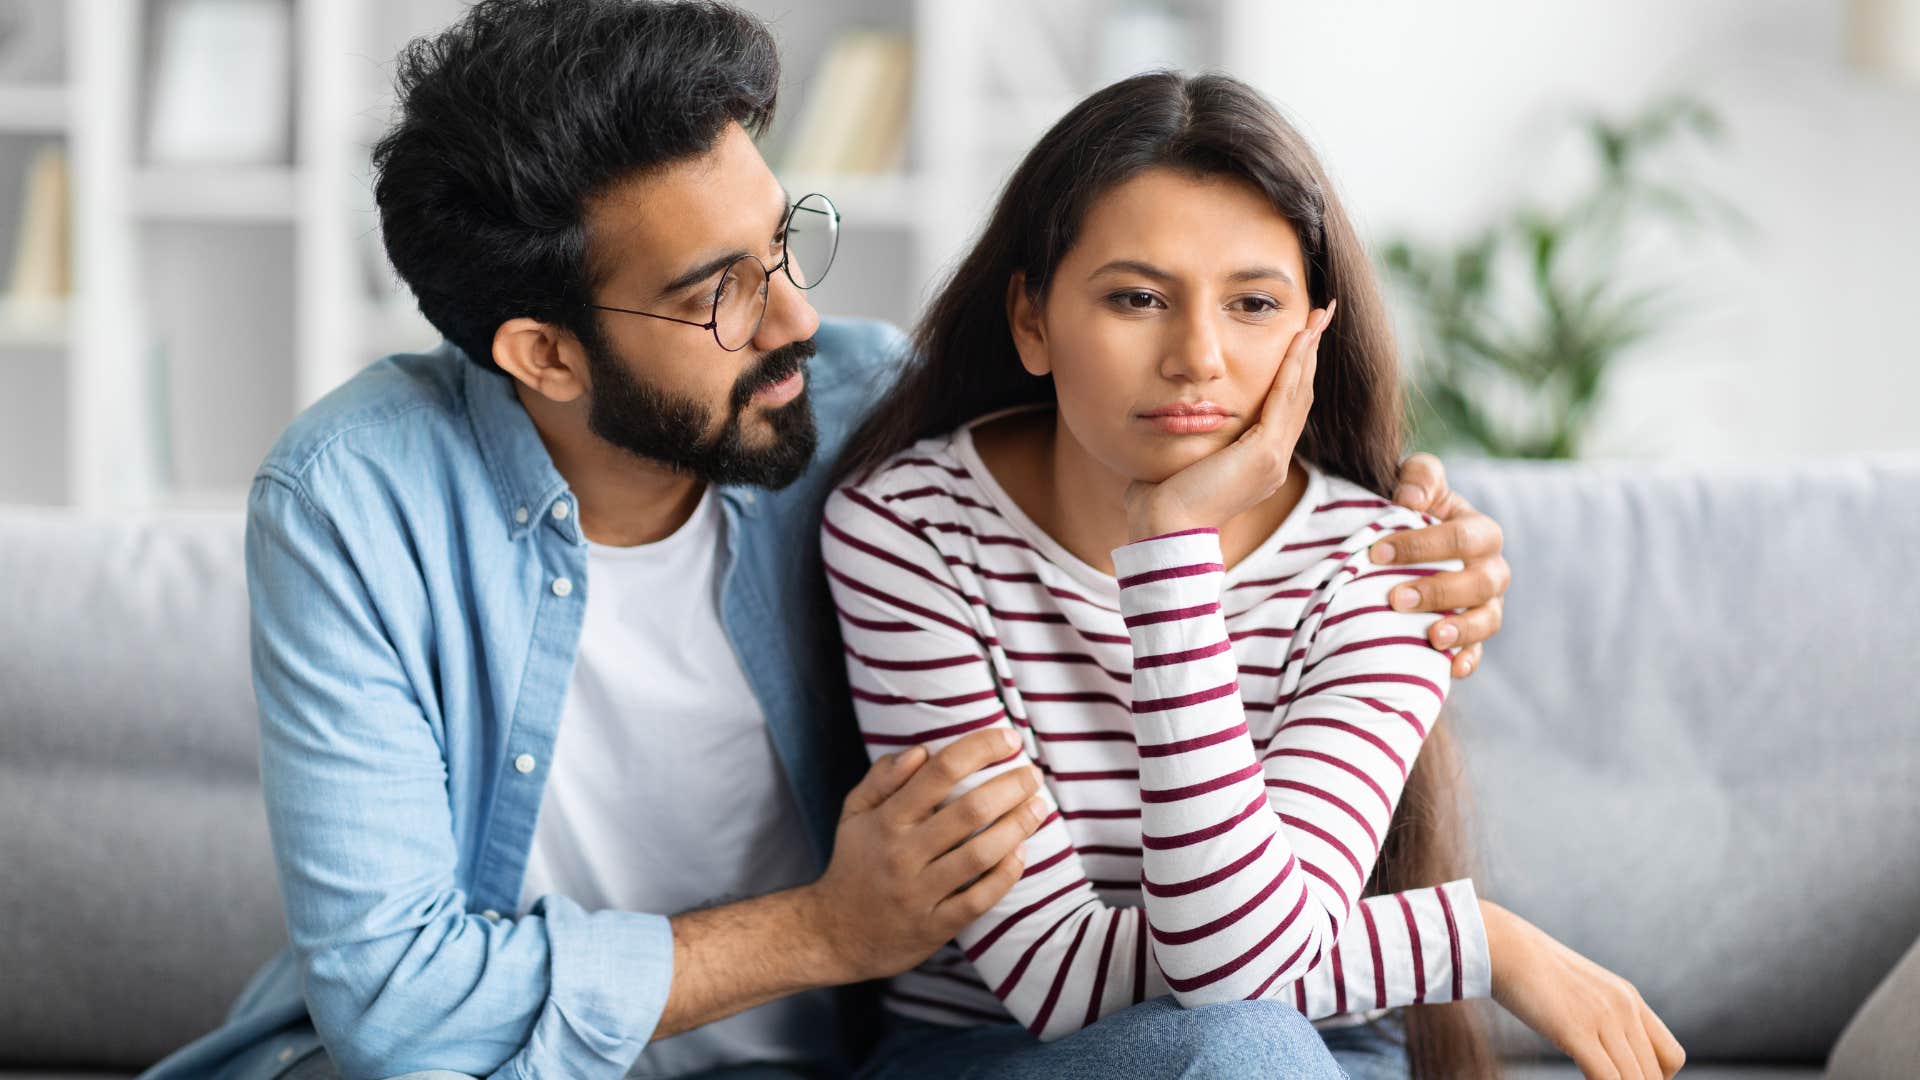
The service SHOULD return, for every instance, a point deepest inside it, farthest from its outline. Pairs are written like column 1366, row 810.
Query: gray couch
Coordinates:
column 1695, row 749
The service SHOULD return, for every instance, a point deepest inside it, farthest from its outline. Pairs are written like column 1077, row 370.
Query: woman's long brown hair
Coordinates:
column 965, row 366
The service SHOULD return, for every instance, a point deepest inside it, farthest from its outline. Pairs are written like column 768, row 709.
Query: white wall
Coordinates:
column 1797, row 341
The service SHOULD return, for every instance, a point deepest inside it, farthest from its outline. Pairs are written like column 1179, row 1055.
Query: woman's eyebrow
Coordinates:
column 1134, row 266
column 1257, row 273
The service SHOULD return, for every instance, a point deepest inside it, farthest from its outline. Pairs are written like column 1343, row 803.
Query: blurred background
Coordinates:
column 1610, row 228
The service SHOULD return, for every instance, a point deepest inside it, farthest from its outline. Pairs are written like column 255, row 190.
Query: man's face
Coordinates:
column 667, row 391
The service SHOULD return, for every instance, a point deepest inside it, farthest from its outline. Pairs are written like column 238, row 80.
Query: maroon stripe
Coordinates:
column 1085, row 697
column 1208, row 978
column 1103, row 774
column 1306, row 544
column 1182, row 656
column 878, row 664
column 978, row 538
column 1339, row 982
column 1116, row 851
column 1164, row 843
column 1181, row 701
column 1329, row 759
column 1150, row 618
column 1328, row 796
column 1212, row 877
column 895, row 602
column 1314, row 869
column 1394, row 571
column 1381, row 706
column 1069, row 658
column 1047, row 863
column 1130, row 885
column 1336, row 620
column 880, row 626
column 1169, row 573
column 1331, row 840
column 1100, row 973
column 1039, row 1023
column 1373, row 943
column 908, row 699
column 1453, row 944
column 979, row 948
column 1181, row 746
column 1351, row 729
column 1370, row 643
column 929, row 463
column 1168, row 795
column 1083, row 736
column 861, row 499
column 1413, row 945
column 889, row 557
column 1005, row 989
column 1183, row 532
column 968, row 978
column 1101, row 815
column 1369, row 504
column 1264, row 631
column 1285, row 966
column 924, row 492
column 930, row 734
column 1206, row 930
column 1375, row 677
column 1300, row 995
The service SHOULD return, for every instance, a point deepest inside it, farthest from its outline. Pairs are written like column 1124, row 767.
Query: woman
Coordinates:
column 1119, row 507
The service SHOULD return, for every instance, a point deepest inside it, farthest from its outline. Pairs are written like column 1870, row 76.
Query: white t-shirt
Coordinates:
column 666, row 794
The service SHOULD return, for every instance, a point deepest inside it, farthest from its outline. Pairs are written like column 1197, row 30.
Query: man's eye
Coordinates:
column 780, row 240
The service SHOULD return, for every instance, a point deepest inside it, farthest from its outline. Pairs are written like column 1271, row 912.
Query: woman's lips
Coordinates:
column 1185, row 419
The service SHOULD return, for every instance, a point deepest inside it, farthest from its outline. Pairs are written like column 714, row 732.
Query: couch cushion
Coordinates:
column 139, row 883
column 1694, row 744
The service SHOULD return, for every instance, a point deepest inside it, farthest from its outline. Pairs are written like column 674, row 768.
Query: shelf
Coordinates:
column 215, row 193
column 33, row 324
column 27, row 108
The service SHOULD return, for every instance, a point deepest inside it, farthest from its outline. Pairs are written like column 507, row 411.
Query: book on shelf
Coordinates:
column 222, row 84
column 41, row 273
column 854, row 116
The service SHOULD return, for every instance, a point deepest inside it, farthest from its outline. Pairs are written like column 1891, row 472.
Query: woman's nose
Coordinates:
column 1193, row 352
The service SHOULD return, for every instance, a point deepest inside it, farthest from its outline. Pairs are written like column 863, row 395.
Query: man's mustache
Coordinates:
column 773, row 368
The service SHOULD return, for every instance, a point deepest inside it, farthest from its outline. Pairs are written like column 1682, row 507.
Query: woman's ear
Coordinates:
column 540, row 355
column 1029, row 329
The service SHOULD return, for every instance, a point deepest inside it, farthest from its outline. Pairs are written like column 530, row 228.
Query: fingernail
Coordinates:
column 912, row 755
column 1008, row 739
column 1466, row 666
column 1038, row 805
column 1445, row 636
column 1409, row 495
column 1020, row 852
column 1404, row 599
column 1383, row 552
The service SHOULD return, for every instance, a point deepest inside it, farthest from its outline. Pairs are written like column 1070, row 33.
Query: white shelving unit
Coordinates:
column 210, row 305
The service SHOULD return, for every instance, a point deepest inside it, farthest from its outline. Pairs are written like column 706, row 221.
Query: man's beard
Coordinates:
column 643, row 419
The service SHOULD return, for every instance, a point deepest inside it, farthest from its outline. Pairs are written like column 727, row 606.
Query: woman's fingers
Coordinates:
column 1643, row 1054
column 1620, row 1054
column 1294, row 380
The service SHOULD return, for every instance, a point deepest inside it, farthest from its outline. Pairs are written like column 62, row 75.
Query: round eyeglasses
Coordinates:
column 807, row 242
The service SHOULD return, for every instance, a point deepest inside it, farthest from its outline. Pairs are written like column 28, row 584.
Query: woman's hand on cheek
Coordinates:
column 1240, row 475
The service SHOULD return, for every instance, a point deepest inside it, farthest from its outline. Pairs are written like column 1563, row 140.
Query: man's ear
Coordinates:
column 544, row 358
column 1029, row 329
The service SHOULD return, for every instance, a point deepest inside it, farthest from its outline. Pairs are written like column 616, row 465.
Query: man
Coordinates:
column 593, row 511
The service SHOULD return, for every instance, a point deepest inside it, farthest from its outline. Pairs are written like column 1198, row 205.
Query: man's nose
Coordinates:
column 790, row 317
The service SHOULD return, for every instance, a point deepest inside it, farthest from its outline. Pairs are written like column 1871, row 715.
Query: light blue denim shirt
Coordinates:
column 417, row 592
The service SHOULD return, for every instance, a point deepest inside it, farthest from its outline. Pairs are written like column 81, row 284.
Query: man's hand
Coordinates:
column 907, row 873
column 1463, row 533
column 1594, row 1016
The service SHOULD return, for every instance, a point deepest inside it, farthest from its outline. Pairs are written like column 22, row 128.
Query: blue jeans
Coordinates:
column 1155, row 1039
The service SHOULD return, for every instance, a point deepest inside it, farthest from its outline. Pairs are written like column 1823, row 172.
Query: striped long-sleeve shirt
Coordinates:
column 1222, row 749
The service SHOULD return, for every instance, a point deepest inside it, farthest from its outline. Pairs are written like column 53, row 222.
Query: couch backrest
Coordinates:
column 1694, row 749
column 1696, row 744
column 138, row 882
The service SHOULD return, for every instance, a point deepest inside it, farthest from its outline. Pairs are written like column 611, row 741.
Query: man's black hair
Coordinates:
column 511, row 120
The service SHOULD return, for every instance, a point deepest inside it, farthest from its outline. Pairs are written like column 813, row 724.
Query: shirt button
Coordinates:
column 286, row 1054
column 523, row 763
column 562, row 587
column 747, row 497
column 490, row 915
column 520, row 515
column 560, row 510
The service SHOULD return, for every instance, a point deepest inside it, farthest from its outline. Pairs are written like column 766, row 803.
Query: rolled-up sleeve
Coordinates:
column 399, row 975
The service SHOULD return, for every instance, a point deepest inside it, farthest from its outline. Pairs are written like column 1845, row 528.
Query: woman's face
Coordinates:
column 1164, row 326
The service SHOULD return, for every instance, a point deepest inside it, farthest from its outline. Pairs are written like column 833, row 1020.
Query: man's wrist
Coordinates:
column 810, row 918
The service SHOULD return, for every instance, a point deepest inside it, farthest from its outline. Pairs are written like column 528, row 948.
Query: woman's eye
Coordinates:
column 1257, row 305
column 1135, row 300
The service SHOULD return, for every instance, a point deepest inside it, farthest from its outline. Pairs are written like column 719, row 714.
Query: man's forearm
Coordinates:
column 733, row 957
